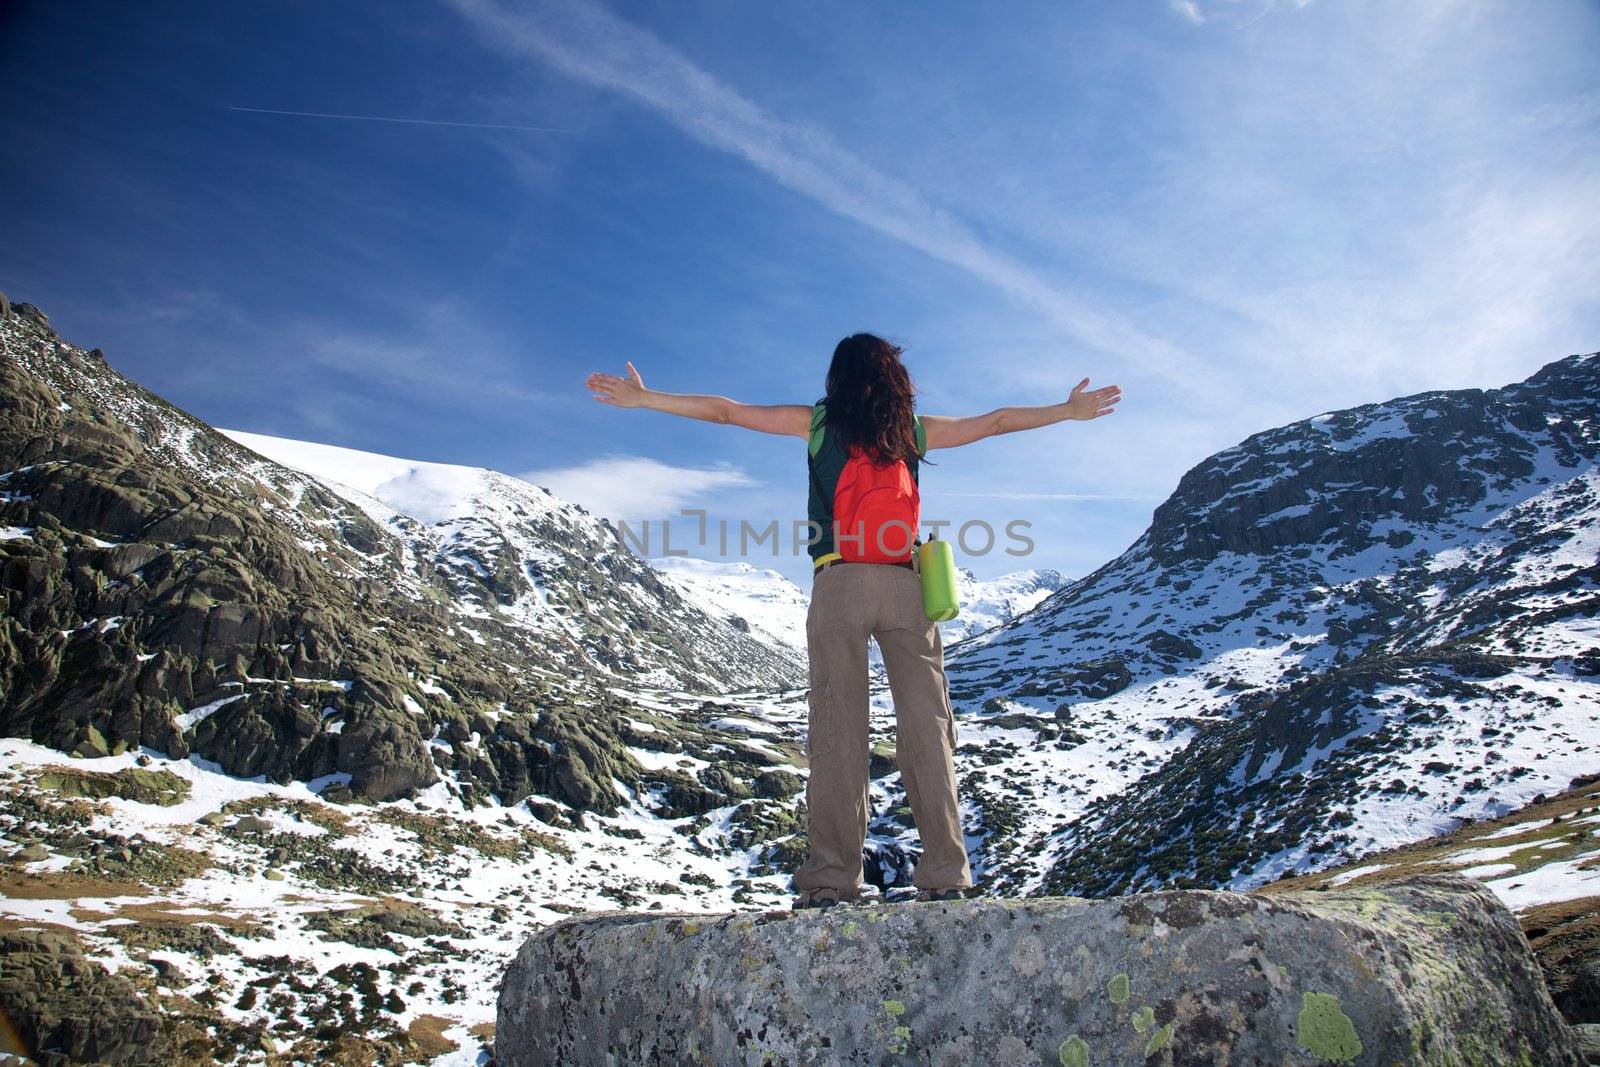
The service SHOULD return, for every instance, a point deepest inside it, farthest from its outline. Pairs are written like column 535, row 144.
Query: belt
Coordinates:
column 833, row 557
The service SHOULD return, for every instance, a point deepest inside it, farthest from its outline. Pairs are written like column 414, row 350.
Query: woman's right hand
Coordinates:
column 619, row 392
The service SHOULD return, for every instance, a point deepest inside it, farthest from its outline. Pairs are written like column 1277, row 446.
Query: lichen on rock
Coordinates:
column 1368, row 976
column 1326, row 1031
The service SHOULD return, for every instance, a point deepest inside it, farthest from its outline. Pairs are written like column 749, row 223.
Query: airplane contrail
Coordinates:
column 408, row 122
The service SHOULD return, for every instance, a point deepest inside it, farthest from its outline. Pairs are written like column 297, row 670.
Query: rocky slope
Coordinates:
column 164, row 586
column 159, row 911
column 287, row 757
column 513, row 553
column 1343, row 634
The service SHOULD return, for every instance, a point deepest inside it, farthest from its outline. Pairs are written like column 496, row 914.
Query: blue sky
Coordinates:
column 1242, row 212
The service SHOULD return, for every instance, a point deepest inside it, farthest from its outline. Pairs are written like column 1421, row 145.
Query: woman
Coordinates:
column 868, row 415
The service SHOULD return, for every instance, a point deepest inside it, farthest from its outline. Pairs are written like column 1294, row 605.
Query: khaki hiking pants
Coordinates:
column 851, row 602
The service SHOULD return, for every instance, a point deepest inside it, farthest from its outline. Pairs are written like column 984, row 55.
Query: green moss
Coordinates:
column 1074, row 1052
column 1325, row 1030
column 441, row 834
column 1158, row 1040
column 894, row 1007
column 131, row 783
column 94, row 742
column 331, row 819
column 1144, row 1019
column 1119, row 987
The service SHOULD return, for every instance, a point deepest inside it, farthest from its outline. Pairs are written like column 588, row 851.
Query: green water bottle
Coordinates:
column 938, row 566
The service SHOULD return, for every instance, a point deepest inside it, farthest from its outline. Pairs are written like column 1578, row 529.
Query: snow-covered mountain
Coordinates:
column 760, row 601
column 774, row 608
column 207, row 655
column 398, row 622
column 513, row 551
column 1339, row 635
column 988, row 602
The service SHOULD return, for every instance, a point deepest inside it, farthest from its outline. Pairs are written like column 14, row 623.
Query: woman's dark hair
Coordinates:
column 871, row 399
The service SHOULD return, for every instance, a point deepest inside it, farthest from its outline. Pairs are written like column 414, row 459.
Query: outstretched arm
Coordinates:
column 946, row 432
column 789, row 420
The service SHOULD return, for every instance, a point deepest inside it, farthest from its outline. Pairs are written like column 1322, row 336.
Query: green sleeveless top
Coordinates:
column 825, row 461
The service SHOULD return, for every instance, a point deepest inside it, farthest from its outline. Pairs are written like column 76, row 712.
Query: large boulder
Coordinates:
column 65, row 1008
column 1430, row 971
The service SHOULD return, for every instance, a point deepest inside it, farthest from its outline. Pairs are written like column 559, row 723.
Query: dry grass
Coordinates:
column 327, row 816
column 1549, row 835
column 427, row 1032
column 1566, row 939
column 436, row 833
column 156, row 913
column 11, row 924
column 65, row 885
column 1564, row 930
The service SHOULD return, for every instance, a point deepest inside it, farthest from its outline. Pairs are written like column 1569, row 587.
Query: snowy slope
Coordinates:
column 771, row 606
column 1340, row 635
column 515, row 552
column 248, row 885
column 986, row 603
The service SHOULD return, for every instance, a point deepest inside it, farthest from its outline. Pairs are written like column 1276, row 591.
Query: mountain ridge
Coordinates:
column 1287, row 583
column 169, row 587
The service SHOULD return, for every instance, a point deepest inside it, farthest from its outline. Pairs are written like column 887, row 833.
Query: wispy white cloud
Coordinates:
column 1200, row 12
column 434, row 351
column 404, row 121
column 1189, row 10
column 1336, row 205
column 1361, row 206
column 1579, row 109
column 589, row 43
column 637, row 487
column 439, row 351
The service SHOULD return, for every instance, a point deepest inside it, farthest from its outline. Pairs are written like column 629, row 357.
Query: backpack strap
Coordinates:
column 819, row 415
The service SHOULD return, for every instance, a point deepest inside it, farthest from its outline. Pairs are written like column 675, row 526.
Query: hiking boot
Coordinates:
column 942, row 894
column 816, row 898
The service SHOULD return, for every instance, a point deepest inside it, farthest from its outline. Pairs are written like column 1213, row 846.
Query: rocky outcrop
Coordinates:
column 1589, row 1041
column 162, row 586
column 65, row 1008
column 1430, row 971
column 1417, row 459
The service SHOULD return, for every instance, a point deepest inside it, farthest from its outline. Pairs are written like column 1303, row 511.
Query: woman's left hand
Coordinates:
column 1092, row 405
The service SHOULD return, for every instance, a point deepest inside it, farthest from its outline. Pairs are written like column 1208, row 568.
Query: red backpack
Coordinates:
column 876, row 506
